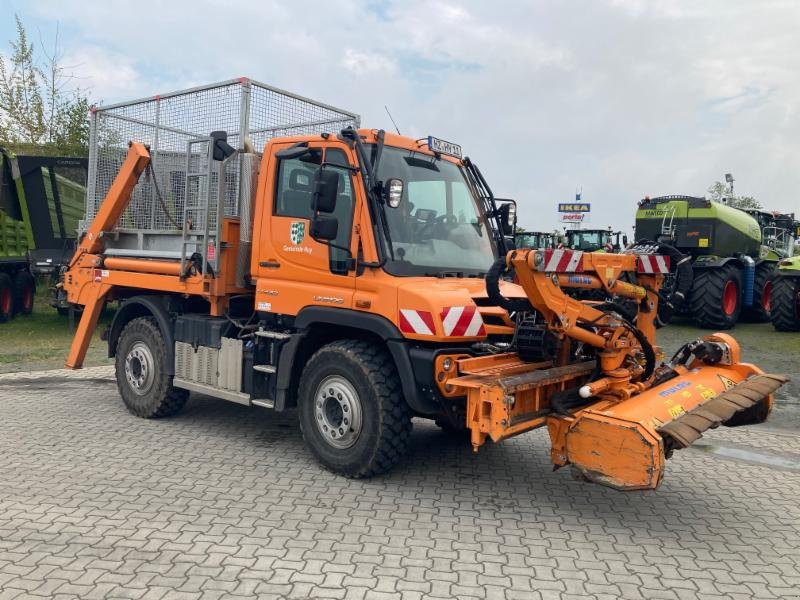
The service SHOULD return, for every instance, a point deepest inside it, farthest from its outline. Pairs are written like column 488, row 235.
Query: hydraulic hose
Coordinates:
column 493, row 276
column 684, row 276
column 647, row 348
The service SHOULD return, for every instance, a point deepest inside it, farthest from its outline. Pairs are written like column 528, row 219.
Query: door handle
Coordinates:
column 269, row 264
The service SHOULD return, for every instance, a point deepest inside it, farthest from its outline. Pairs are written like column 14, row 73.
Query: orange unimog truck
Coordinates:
column 362, row 277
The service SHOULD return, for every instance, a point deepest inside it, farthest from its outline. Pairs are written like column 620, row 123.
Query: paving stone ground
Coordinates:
column 223, row 501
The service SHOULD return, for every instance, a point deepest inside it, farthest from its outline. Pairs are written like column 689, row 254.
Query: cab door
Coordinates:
column 294, row 270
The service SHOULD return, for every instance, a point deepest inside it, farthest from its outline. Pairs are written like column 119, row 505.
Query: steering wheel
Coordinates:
column 438, row 227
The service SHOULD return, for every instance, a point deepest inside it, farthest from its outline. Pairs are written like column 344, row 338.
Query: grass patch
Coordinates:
column 42, row 340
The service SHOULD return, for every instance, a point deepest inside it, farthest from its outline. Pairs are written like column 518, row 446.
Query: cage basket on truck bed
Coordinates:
column 181, row 186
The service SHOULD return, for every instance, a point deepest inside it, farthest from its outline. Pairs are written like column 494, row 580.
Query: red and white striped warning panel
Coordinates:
column 652, row 263
column 563, row 261
column 416, row 321
column 462, row 321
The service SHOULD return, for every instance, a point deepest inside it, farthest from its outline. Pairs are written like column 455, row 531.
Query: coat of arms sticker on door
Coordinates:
column 298, row 232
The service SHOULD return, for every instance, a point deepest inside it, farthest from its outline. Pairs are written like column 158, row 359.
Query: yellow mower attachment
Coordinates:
column 611, row 412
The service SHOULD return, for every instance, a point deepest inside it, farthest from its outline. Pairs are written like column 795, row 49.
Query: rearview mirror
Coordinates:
column 508, row 217
column 222, row 149
column 324, row 228
column 624, row 240
column 325, row 190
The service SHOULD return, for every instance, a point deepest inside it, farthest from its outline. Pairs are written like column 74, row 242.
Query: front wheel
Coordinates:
column 785, row 313
column 352, row 412
column 142, row 379
column 716, row 296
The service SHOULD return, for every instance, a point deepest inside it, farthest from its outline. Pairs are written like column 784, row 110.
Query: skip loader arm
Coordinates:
column 92, row 294
column 611, row 411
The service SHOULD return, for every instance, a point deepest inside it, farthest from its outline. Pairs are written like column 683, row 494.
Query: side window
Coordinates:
column 293, row 190
column 343, row 211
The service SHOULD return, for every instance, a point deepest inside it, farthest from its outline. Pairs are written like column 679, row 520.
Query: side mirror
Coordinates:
column 508, row 217
column 325, row 189
column 624, row 240
column 222, row 149
column 324, row 228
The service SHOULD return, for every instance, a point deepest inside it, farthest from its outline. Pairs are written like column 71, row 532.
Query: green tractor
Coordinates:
column 785, row 301
column 731, row 257
column 42, row 200
column 595, row 240
column 534, row 239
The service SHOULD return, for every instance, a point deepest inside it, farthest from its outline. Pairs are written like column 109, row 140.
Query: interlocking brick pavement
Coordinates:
column 223, row 501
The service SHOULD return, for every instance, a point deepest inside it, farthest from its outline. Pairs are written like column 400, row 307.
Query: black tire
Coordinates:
column 142, row 380
column 785, row 314
column 709, row 293
column 362, row 377
column 24, row 291
column 759, row 311
column 6, row 298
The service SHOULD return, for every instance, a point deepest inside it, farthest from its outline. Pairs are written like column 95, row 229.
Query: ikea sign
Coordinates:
column 574, row 207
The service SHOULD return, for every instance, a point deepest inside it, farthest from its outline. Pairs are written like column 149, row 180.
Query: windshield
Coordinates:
column 438, row 228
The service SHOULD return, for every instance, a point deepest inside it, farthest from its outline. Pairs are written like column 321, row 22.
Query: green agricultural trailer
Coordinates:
column 42, row 200
column 733, row 254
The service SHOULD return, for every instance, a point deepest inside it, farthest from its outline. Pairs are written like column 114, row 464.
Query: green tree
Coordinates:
column 721, row 193
column 40, row 110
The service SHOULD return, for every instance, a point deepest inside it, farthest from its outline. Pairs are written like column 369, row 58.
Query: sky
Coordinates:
column 619, row 98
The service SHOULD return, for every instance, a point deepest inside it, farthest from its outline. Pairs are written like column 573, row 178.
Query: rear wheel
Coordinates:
column 785, row 312
column 6, row 298
column 716, row 296
column 762, row 293
column 23, row 293
column 142, row 379
column 353, row 415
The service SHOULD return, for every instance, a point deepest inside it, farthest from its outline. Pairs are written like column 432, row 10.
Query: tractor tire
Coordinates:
column 762, row 294
column 24, row 291
column 715, row 299
column 6, row 298
column 353, row 416
column 785, row 313
column 143, row 382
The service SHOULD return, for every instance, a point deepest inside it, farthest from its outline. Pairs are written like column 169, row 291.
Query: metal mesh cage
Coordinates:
column 244, row 108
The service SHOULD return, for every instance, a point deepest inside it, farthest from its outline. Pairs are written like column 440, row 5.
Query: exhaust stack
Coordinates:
column 248, row 173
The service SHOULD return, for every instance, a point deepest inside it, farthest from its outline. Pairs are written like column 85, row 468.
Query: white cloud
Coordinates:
column 366, row 62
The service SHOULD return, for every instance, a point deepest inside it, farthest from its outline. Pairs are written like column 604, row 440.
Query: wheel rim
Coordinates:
column 140, row 368
column 766, row 296
column 730, row 298
column 5, row 301
column 337, row 412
